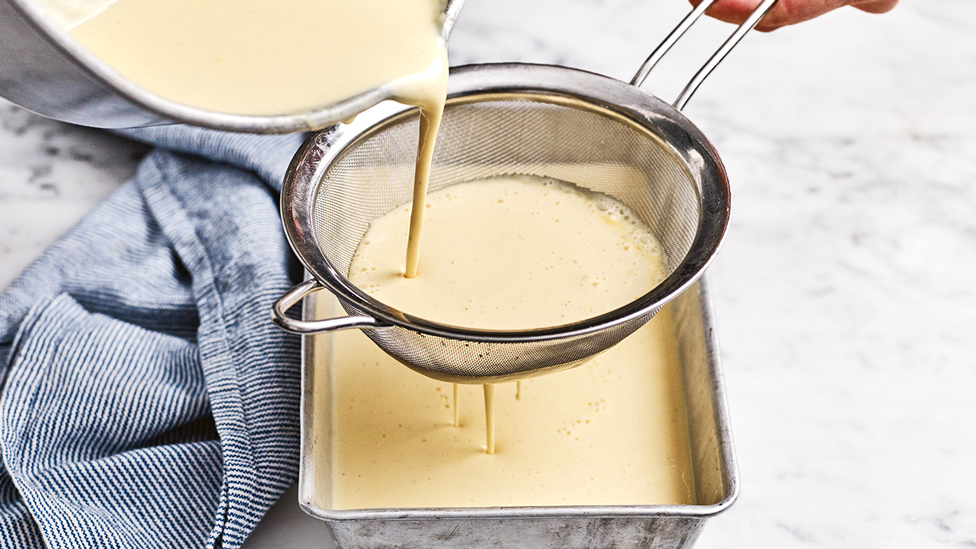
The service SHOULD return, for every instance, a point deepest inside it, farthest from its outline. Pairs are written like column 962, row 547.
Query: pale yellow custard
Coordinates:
column 262, row 57
column 512, row 252
column 611, row 432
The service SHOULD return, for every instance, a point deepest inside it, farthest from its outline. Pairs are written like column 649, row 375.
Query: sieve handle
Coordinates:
column 300, row 292
column 761, row 10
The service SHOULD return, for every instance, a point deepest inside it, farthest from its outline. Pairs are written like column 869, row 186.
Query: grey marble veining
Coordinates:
column 845, row 296
column 50, row 175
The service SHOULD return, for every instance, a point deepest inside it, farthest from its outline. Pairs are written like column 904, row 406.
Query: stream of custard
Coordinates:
column 259, row 57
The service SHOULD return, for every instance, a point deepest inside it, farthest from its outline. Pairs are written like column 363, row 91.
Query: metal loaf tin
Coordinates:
column 654, row 526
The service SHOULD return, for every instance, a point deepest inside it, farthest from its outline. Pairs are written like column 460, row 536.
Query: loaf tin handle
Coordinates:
column 299, row 293
column 761, row 10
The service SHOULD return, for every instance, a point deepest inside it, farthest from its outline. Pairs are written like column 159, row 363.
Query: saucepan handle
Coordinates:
column 761, row 10
column 298, row 293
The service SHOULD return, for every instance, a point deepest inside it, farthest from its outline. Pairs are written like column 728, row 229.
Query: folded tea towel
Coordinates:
column 147, row 399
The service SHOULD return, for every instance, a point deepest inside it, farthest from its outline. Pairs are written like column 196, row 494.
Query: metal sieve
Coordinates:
column 590, row 130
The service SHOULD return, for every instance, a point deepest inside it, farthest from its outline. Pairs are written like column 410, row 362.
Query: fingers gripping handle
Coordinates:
column 298, row 293
column 761, row 10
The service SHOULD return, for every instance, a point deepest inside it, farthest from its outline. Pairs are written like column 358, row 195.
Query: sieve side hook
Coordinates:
column 300, row 292
column 645, row 70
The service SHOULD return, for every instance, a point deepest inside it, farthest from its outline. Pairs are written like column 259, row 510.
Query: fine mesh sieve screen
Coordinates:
column 578, row 144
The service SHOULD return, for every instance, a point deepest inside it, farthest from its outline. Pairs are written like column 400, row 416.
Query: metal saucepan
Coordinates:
column 45, row 70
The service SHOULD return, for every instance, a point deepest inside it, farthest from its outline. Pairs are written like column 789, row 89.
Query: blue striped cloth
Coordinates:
column 147, row 399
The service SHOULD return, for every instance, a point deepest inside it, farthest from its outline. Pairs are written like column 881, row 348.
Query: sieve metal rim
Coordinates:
column 542, row 83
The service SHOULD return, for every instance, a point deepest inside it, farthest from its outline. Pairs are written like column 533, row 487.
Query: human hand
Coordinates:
column 789, row 12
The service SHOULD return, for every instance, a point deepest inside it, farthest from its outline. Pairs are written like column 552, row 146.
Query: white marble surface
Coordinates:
column 844, row 295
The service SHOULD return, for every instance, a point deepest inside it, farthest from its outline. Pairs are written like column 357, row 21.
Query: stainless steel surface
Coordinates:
column 589, row 130
column 669, row 41
column 723, row 50
column 656, row 526
column 652, row 60
column 295, row 295
column 43, row 69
